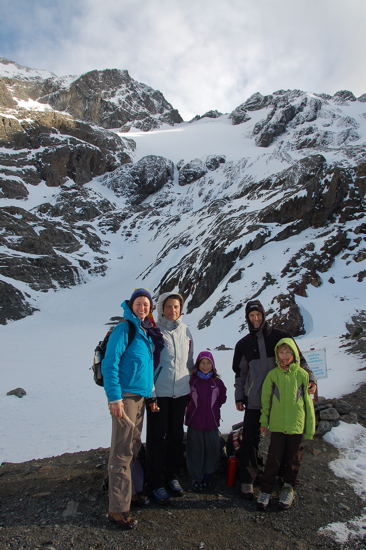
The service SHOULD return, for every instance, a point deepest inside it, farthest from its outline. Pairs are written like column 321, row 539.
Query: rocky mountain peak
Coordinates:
column 292, row 202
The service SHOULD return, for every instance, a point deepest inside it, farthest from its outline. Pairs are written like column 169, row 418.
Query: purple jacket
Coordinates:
column 206, row 398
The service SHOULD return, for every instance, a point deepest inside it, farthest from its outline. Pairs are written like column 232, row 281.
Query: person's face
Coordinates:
column 141, row 307
column 171, row 309
column 205, row 366
column 285, row 357
column 256, row 318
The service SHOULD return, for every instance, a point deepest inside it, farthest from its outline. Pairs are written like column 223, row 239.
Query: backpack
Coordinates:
column 99, row 351
column 234, row 440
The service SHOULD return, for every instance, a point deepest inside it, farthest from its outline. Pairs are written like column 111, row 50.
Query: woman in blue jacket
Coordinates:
column 128, row 379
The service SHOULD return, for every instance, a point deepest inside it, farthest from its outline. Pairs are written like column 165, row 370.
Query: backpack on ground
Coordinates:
column 234, row 440
column 99, row 351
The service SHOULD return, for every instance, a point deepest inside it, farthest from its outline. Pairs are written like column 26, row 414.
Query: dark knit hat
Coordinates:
column 140, row 292
column 254, row 305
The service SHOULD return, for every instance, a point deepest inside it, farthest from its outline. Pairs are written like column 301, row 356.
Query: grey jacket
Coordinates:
column 176, row 360
column 254, row 357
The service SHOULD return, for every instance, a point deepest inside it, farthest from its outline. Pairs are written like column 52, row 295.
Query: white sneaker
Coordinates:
column 263, row 501
column 247, row 490
column 287, row 497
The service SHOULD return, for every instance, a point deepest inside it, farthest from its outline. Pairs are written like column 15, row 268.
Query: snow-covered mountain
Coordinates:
column 278, row 184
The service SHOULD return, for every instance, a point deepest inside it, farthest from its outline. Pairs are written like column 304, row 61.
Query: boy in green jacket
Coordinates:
column 288, row 412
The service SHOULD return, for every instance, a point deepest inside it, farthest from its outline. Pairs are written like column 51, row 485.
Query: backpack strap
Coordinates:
column 131, row 331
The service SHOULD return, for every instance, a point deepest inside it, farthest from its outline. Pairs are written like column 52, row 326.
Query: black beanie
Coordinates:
column 254, row 305
column 140, row 292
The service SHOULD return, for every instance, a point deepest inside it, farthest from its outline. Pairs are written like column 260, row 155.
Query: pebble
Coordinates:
column 71, row 509
column 342, row 506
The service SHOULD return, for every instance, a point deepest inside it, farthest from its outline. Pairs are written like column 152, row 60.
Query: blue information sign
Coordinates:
column 316, row 360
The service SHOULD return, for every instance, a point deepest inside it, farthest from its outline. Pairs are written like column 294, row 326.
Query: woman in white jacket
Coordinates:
column 164, row 435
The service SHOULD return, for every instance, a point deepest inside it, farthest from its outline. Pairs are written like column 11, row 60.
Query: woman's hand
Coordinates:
column 154, row 407
column 116, row 408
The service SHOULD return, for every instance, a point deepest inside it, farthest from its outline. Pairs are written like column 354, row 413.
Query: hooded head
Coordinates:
column 162, row 302
column 284, row 344
column 205, row 355
column 252, row 307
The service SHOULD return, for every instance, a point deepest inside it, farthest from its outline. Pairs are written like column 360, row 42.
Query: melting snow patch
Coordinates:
column 351, row 465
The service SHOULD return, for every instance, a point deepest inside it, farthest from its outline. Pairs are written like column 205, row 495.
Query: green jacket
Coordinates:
column 286, row 405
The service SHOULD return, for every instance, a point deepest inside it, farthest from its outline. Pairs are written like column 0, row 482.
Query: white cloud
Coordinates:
column 201, row 54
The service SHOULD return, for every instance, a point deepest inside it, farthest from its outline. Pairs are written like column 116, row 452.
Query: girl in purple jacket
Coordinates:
column 208, row 393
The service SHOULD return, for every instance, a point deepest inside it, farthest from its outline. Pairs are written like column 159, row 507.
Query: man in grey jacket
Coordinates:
column 164, row 436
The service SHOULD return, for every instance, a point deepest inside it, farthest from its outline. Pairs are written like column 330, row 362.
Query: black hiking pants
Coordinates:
column 164, row 440
column 248, row 455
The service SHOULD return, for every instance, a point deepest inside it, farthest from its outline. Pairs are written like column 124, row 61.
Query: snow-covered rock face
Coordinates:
column 109, row 98
column 290, row 205
column 114, row 100
column 137, row 181
column 296, row 110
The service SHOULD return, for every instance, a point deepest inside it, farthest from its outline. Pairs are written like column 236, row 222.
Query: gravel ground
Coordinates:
column 57, row 503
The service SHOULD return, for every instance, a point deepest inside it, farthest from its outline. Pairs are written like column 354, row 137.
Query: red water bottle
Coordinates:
column 231, row 471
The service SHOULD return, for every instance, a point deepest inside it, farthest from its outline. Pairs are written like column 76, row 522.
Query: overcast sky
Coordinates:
column 201, row 54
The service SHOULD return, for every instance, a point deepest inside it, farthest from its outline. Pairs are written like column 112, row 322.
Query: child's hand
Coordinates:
column 263, row 431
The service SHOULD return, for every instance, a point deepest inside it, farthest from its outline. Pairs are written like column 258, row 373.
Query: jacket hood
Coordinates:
column 254, row 305
column 128, row 313
column 291, row 343
column 205, row 355
column 161, row 301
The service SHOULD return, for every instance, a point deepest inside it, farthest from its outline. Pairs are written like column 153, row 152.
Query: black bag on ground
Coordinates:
column 234, row 440
column 99, row 351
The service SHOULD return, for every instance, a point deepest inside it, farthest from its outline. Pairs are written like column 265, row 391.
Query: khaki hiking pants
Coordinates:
column 125, row 445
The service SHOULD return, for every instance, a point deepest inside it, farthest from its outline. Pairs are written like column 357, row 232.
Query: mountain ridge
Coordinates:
column 301, row 175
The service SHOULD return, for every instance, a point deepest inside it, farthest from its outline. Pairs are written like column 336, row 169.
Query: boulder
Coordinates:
column 329, row 414
column 13, row 304
column 192, row 171
column 138, row 181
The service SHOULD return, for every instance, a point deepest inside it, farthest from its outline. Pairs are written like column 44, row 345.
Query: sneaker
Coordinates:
column 175, row 486
column 287, row 496
column 124, row 520
column 161, row 496
column 197, row 486
column 263, row 501
column 247, row 490
column 140, row 500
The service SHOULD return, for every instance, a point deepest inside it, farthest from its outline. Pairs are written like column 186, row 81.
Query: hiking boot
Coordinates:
column 124, row 520
column 287, row 496
column 263, row 501
column 140, row 500
column 197, row 486
column 246, row 490
column 206, row 485
column 175, row 486
column 161, row 496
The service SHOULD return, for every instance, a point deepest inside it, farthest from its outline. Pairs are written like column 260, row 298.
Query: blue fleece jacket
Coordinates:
column 128, row 369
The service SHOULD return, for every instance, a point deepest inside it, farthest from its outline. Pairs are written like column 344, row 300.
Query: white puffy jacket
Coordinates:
column 176, row 360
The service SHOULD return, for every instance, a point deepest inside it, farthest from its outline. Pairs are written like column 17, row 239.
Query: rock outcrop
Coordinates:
column 210, row 218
